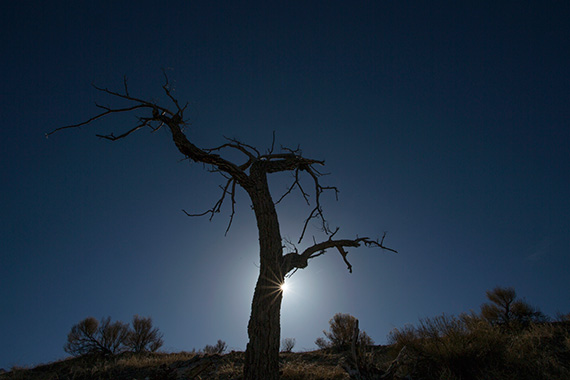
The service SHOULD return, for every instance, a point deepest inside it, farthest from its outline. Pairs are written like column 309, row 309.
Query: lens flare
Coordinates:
column 284, row 287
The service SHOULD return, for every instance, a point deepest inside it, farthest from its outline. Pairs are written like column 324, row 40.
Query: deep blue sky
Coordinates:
column 443, row 123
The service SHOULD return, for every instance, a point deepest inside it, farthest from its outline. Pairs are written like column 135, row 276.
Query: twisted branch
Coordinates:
column 218, row 205
column 294, row 261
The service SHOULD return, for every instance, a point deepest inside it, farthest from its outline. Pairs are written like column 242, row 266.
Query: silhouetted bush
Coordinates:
column 91, row 336
column 142, row 336
column 287, row 344
column 322, row 343
column 340, row 333
column 218, row 348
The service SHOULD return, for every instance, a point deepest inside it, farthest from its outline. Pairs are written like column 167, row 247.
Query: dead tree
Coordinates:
column 251, row 175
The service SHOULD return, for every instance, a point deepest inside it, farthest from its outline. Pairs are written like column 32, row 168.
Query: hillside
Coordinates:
column 440, row 348
column 314, row 365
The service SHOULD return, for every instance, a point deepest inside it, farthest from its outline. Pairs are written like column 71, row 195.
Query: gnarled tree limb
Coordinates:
column 294, row 260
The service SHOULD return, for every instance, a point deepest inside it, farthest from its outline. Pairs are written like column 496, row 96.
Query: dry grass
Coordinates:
column 312, row 371
column 125, row 366
column 294, row 366
column 468, row 348
column 315, row 365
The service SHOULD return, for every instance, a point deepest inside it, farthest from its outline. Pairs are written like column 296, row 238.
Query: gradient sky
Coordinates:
column 445, row 124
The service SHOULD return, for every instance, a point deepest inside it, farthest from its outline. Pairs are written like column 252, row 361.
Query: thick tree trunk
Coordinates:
column 262, row 353
column 264, row 329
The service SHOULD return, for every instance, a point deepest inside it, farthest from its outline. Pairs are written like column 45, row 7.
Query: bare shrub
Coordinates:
column 287, row 344
column 218, row 348
column 506, row 310
column 113, row 335
column 340, row 333
column 83, row 337
column 142, row 336
column 401, row 337
column 322, row 343
column 89, row 336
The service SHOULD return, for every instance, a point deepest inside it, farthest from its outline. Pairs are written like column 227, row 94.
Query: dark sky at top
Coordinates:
column 444, row 123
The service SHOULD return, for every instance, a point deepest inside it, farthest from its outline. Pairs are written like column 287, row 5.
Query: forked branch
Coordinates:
column 317, row 211
column 294, row 260
column 155, row 117
column 229, row 188
column 299, row 164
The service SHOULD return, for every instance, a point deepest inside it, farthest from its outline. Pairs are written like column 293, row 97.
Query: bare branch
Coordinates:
column 270, row 151
column 166, row 88
column 293, row 161
column 297, row 151
column 218, row 205
column 161, row 116
column 317, row 211
column 235, row 144
column 125, row 85
column 112, row 137
column 133, row 99
column 107, row 112
column 239, row 143
column 343, row 253
column 293, row 260
column 233, row 199
column 295, row 183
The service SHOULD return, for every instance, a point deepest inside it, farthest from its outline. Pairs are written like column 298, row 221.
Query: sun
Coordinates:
column 284, row 287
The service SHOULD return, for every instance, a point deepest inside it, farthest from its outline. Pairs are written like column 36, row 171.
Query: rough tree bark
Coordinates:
column 262, row 353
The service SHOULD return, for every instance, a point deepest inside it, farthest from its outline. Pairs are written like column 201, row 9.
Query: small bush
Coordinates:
column 287, row 344
column 142, row 337
column 218, row 348
column 340, row 333
column 322, row 343
column 89, row 336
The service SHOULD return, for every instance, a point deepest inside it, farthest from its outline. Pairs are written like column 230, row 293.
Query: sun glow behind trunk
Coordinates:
column 284, row 287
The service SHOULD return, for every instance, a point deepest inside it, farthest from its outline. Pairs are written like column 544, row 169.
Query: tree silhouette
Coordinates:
column 251, row 174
